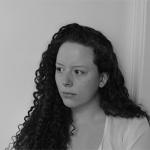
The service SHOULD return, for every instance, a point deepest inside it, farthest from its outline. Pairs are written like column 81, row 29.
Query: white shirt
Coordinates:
column 121, row 133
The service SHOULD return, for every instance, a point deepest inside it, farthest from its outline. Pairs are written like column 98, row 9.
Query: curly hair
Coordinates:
column 47, row 125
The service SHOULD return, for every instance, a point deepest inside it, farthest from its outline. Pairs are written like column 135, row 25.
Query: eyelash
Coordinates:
column 81, row 72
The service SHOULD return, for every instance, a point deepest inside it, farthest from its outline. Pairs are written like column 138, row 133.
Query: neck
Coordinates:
column 88, row 113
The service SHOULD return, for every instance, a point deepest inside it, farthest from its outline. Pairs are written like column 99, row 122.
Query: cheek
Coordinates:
column 57, row 80
column 88, row 86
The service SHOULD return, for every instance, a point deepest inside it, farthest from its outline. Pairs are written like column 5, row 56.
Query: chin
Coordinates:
column 69, row 103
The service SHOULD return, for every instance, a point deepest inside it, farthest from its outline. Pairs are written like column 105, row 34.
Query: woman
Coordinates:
column 81, row 102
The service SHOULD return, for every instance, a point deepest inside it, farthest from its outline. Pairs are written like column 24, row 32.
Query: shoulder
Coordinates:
column 138, row 128
column 130, row 124
column 126, row 131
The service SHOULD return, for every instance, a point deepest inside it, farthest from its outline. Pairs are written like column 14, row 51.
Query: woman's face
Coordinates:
column 76, row 73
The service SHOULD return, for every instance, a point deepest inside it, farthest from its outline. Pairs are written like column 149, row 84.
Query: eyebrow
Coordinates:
column 72, row 66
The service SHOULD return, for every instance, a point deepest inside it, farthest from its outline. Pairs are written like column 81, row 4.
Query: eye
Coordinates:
column 59, row 69
column 79, row 72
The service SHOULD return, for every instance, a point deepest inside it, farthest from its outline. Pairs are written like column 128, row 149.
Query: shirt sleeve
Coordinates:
column 136, row 128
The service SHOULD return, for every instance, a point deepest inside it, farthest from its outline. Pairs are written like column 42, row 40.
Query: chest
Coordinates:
column 87, row 139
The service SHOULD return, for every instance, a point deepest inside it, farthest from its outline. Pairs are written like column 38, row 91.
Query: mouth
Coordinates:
column 68, row 94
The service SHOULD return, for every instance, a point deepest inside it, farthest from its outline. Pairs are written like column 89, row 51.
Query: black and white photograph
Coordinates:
column 75, row 75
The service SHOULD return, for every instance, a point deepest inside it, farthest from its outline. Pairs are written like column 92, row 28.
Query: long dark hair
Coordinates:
column 47, row 125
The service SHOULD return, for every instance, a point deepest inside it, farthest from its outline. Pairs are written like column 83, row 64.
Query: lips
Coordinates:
column 68, row 94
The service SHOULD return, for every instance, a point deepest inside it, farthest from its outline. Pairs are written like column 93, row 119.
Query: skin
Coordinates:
column 76, row 73
column 82, row 80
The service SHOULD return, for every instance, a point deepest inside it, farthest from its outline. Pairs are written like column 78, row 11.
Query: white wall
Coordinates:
column 144, row 88
column 26, row 27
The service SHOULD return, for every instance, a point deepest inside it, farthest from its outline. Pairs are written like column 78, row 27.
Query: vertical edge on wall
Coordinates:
column 137, row 45
column 141, row 53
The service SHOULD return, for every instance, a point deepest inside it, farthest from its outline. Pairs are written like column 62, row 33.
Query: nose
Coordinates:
column 67, row 80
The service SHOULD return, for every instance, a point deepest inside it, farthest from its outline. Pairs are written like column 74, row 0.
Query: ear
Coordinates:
column 103, row 79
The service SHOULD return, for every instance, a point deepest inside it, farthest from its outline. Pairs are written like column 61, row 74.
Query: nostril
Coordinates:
column 67, row 80
column 69, row 83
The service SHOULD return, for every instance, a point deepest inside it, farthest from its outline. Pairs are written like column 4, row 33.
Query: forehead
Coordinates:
column 75, row 54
